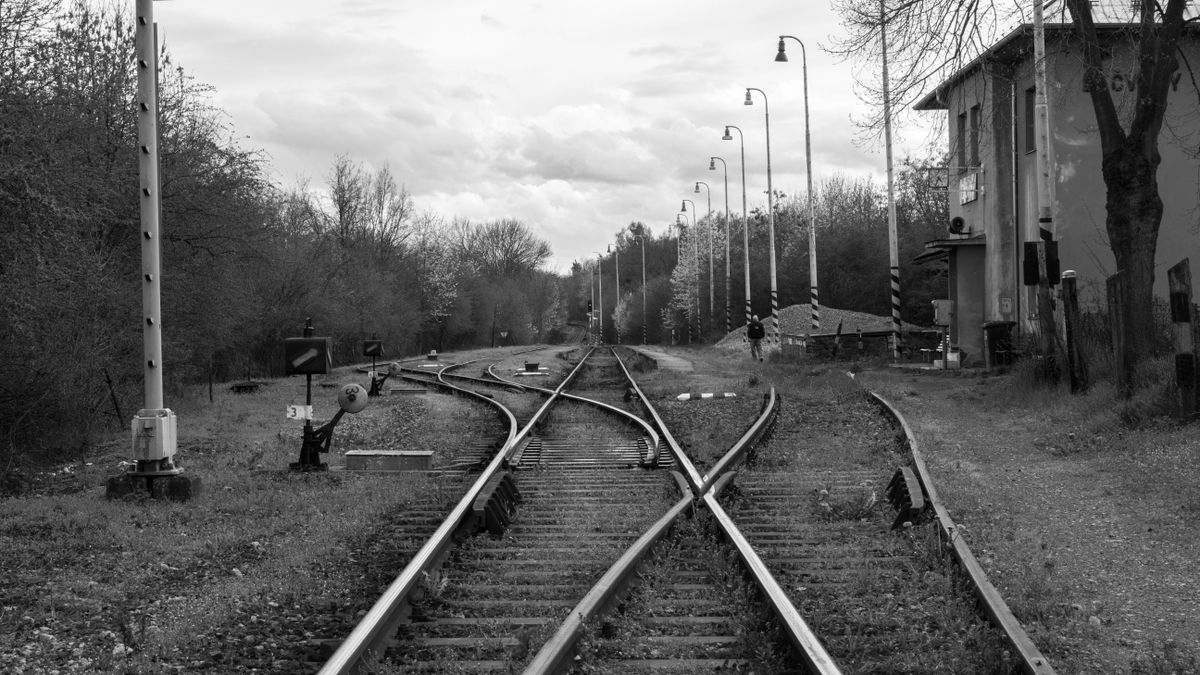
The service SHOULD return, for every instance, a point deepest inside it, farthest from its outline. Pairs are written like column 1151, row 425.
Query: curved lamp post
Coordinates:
column 695, row 256
column 710, row 249
column 815, row 304
column 600, row 296
column 770, row 216
column 745, row 228
column 712, row 166
column 645, row 320
column 616, row 273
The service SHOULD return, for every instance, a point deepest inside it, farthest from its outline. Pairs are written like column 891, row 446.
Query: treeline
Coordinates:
column 244, row 261
column 852, row 260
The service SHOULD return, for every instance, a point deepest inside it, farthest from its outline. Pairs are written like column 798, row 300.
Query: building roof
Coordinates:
column 940, row 248
column 1012, row 48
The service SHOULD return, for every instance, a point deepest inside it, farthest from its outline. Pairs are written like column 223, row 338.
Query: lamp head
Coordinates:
column 781, row 57
column 712, row 164
column 749, row 101
column 727, row 136
column 697, row 188
column 683, row 206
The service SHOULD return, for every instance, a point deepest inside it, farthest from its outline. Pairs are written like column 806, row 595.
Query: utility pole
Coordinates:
column 893, row 237
column 154, row 427
column 1045, row 247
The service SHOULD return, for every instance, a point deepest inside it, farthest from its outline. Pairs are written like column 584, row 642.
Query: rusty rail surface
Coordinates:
column 997, row 610
column 370, row 637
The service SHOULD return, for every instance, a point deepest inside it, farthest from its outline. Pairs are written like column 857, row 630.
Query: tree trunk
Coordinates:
column 1134, row 213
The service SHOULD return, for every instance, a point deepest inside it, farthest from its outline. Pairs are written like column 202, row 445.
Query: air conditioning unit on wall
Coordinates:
column 957, row 225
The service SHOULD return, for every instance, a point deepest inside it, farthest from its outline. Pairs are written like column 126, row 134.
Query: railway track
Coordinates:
column 601, row 566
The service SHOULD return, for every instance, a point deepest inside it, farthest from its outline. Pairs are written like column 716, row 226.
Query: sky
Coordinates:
column 575, row 118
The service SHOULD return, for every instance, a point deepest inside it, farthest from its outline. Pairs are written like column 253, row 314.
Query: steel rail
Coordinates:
column 811, row 651
column 994, row 605
column 651, row 457
column 556, row 654
column 769, row 412
column 694, row 479
column 372, row 634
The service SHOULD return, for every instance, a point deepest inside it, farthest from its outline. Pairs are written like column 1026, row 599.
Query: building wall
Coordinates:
column 1006, row 211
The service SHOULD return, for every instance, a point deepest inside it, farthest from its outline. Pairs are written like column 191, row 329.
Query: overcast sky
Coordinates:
column 573, row 117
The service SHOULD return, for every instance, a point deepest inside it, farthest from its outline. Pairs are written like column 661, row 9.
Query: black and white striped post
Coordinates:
column 893, row 237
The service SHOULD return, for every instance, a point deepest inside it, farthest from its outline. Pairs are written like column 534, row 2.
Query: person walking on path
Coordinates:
column 755, row 333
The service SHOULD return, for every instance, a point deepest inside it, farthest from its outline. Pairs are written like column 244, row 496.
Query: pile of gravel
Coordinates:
column 796, row 320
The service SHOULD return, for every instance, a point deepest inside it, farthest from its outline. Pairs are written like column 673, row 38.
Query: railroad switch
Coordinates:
column 351, row 399
column 907, row 496
column 374, row 348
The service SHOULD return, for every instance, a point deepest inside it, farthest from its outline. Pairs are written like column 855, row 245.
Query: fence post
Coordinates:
column 1114, row 285
column 1075, row 361
column 1179, row 282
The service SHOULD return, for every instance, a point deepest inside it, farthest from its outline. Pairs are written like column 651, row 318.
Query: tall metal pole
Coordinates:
column 592, row 314
column 893, row 238
column 711, row 292
column 815, row 304
column 617, row 274
column 712, row 166
column 770, row 216
column 600, row 295
column 154, row 427
column 1047, row 325
column 745, row 227
column 645, row 319
column 695, row 242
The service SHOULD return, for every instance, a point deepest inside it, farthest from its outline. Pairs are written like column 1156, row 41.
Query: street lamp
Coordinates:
column 645, row 320
column 815, row 306
column 770, row 214
column 745, row 227
column 712, row 166
column 695, row 256
column 710, row 249
column 600, row 296
column 617, row 273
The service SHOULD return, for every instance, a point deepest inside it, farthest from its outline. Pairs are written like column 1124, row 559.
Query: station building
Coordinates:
column 993, row 175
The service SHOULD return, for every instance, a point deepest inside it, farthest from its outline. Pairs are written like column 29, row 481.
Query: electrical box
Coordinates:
column 943, row 312
column 155, row 433
column 307, row 356
column 372, row 347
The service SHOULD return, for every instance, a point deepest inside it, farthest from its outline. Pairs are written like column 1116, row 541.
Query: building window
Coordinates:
column 1030, row 120
column 960, row 140
column 974, row 135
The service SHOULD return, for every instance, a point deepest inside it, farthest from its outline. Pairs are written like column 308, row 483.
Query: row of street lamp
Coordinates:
column 781, row 56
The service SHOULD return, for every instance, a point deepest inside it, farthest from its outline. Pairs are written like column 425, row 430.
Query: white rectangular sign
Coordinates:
column 299, row 412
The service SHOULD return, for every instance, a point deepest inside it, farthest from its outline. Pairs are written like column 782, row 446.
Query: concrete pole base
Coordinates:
column 176, row 488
